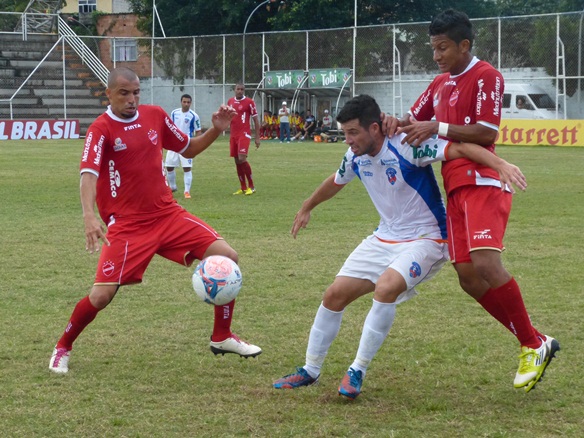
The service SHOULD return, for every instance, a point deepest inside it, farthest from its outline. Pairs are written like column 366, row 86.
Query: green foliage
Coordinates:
column 143, row 368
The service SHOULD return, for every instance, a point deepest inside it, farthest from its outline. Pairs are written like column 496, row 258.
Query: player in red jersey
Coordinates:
column 122, row 172
column 466, row 101
column 240, row 137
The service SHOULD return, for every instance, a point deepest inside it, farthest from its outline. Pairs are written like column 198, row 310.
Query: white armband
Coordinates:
column 443, row 129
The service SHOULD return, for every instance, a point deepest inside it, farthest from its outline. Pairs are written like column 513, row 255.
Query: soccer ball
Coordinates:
column 217, row 280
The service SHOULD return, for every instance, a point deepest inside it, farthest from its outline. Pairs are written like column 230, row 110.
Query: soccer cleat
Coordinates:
column 249, row 191
column 533, row 363
column 60, row 360
column 187, row 195
column 235, row 345
column 239, row 192
column 296, row 380
column 350, row 386
column 173, row 190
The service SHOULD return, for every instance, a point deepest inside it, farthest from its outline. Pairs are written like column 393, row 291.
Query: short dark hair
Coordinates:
column 362, row 107
column 454, row 24
column 188, row 96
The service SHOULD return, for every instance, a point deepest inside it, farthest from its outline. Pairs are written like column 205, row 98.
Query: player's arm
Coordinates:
column 256, row 127
column 221, row 120
column 508, row 173
column 93, row 227
column 323, row 193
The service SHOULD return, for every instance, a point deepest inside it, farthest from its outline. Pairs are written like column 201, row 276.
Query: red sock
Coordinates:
column 507, row 300
column 241, row 175
column 82, row 315
column 222, row 323
column 247, row 168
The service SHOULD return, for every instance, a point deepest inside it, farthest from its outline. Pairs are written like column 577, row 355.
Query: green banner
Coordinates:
column 333, row 78
column 284, row 79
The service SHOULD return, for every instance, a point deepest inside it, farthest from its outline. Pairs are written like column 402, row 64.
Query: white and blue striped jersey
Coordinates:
column 403, row 188
column 188, row 122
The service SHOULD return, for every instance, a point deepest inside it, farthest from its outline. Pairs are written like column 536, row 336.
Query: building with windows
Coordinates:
column 83, row 7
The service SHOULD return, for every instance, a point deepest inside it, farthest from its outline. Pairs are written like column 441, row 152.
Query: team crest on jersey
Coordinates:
column 454, row 97
column 391, row 175
column 415, row 270
column 153, row 136
column 108, row 268
column 118, row 145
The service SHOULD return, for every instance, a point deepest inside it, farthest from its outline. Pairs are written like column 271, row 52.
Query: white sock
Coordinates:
column 188, row 180
column 322, row 334
column 375, row 329
column 171, row 177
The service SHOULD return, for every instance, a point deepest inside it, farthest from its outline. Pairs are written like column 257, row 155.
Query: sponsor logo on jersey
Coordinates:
column 391, row 162
column 118, row 145
column 87, row 147
column 454, row 97
column 482, row 235
column 177, row 133
column 108, row 268
column 451, row 82
column 343, row 169
column 480, row 96
column 114, row 178
column 418, row 152
column 496, row 96
column 367, row 173
column 132, row 127
column 365, row 162
column 423, row 101
column 415, row 270
column 153, row 136
column 391, row 175
column 98, row 148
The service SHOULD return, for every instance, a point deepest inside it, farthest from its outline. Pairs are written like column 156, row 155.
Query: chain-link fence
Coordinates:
column 391, row 62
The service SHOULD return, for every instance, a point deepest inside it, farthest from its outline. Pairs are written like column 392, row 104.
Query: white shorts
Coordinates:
column 417, row 261
column 173, row 159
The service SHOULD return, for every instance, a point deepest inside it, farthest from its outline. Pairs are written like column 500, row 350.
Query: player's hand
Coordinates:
column 418, row 132
column 300, row 221
column 93, row 233
column 221, row 119
column 257, row 143
column 510, row 175
column 389, row 124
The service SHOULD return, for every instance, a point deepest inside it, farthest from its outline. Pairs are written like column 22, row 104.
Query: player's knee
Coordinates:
column 335, row 298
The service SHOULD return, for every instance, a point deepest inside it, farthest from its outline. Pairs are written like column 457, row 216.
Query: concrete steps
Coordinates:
column 41, row 97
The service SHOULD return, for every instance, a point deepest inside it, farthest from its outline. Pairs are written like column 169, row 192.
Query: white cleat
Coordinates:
column 60, row 360
column 235, row 345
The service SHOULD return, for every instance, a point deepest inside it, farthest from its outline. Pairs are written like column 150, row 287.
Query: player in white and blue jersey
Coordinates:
column 409, row 245
column 189, row 122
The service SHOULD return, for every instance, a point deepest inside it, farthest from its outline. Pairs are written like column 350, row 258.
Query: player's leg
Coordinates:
column 187, row 164
column 172, row 160
column 482, row 214
column 409, row 264
column 189, row 238
column 324, row 330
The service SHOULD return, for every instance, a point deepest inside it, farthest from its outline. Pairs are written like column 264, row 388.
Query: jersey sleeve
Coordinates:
column 173, row 139
column 93, row 150
column 430, row 151
column 490, row 86
column 423, row 108
column 346, row 171
column 197, row 123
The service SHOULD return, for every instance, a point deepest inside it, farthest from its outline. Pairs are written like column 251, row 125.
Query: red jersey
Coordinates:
column 126, row 157
column 474, row 96
column 246, row 109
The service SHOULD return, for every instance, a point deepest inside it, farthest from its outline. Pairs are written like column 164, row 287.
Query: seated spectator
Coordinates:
column 308, row 127
column 266, row 129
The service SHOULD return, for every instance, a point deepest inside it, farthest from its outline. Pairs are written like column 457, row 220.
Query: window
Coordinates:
column 87, row 6
column 124, row 49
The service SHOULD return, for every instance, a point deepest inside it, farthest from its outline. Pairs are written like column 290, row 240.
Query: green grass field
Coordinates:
column 143, row 368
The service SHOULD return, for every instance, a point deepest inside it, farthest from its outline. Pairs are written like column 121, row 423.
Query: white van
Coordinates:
column 526, row 101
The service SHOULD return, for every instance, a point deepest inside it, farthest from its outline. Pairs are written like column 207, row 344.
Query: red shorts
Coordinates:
column 239, row 145
column 178, row 236
column 476, row 219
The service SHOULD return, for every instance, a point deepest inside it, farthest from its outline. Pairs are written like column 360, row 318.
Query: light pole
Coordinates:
column 245, row 30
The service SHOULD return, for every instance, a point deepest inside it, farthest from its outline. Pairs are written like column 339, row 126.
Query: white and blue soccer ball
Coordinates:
column 217, row 280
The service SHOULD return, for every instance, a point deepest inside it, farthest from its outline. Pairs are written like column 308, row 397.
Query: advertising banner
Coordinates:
column 39, row 129
column 521, row 132
column 283, row 79
column 333, row 77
